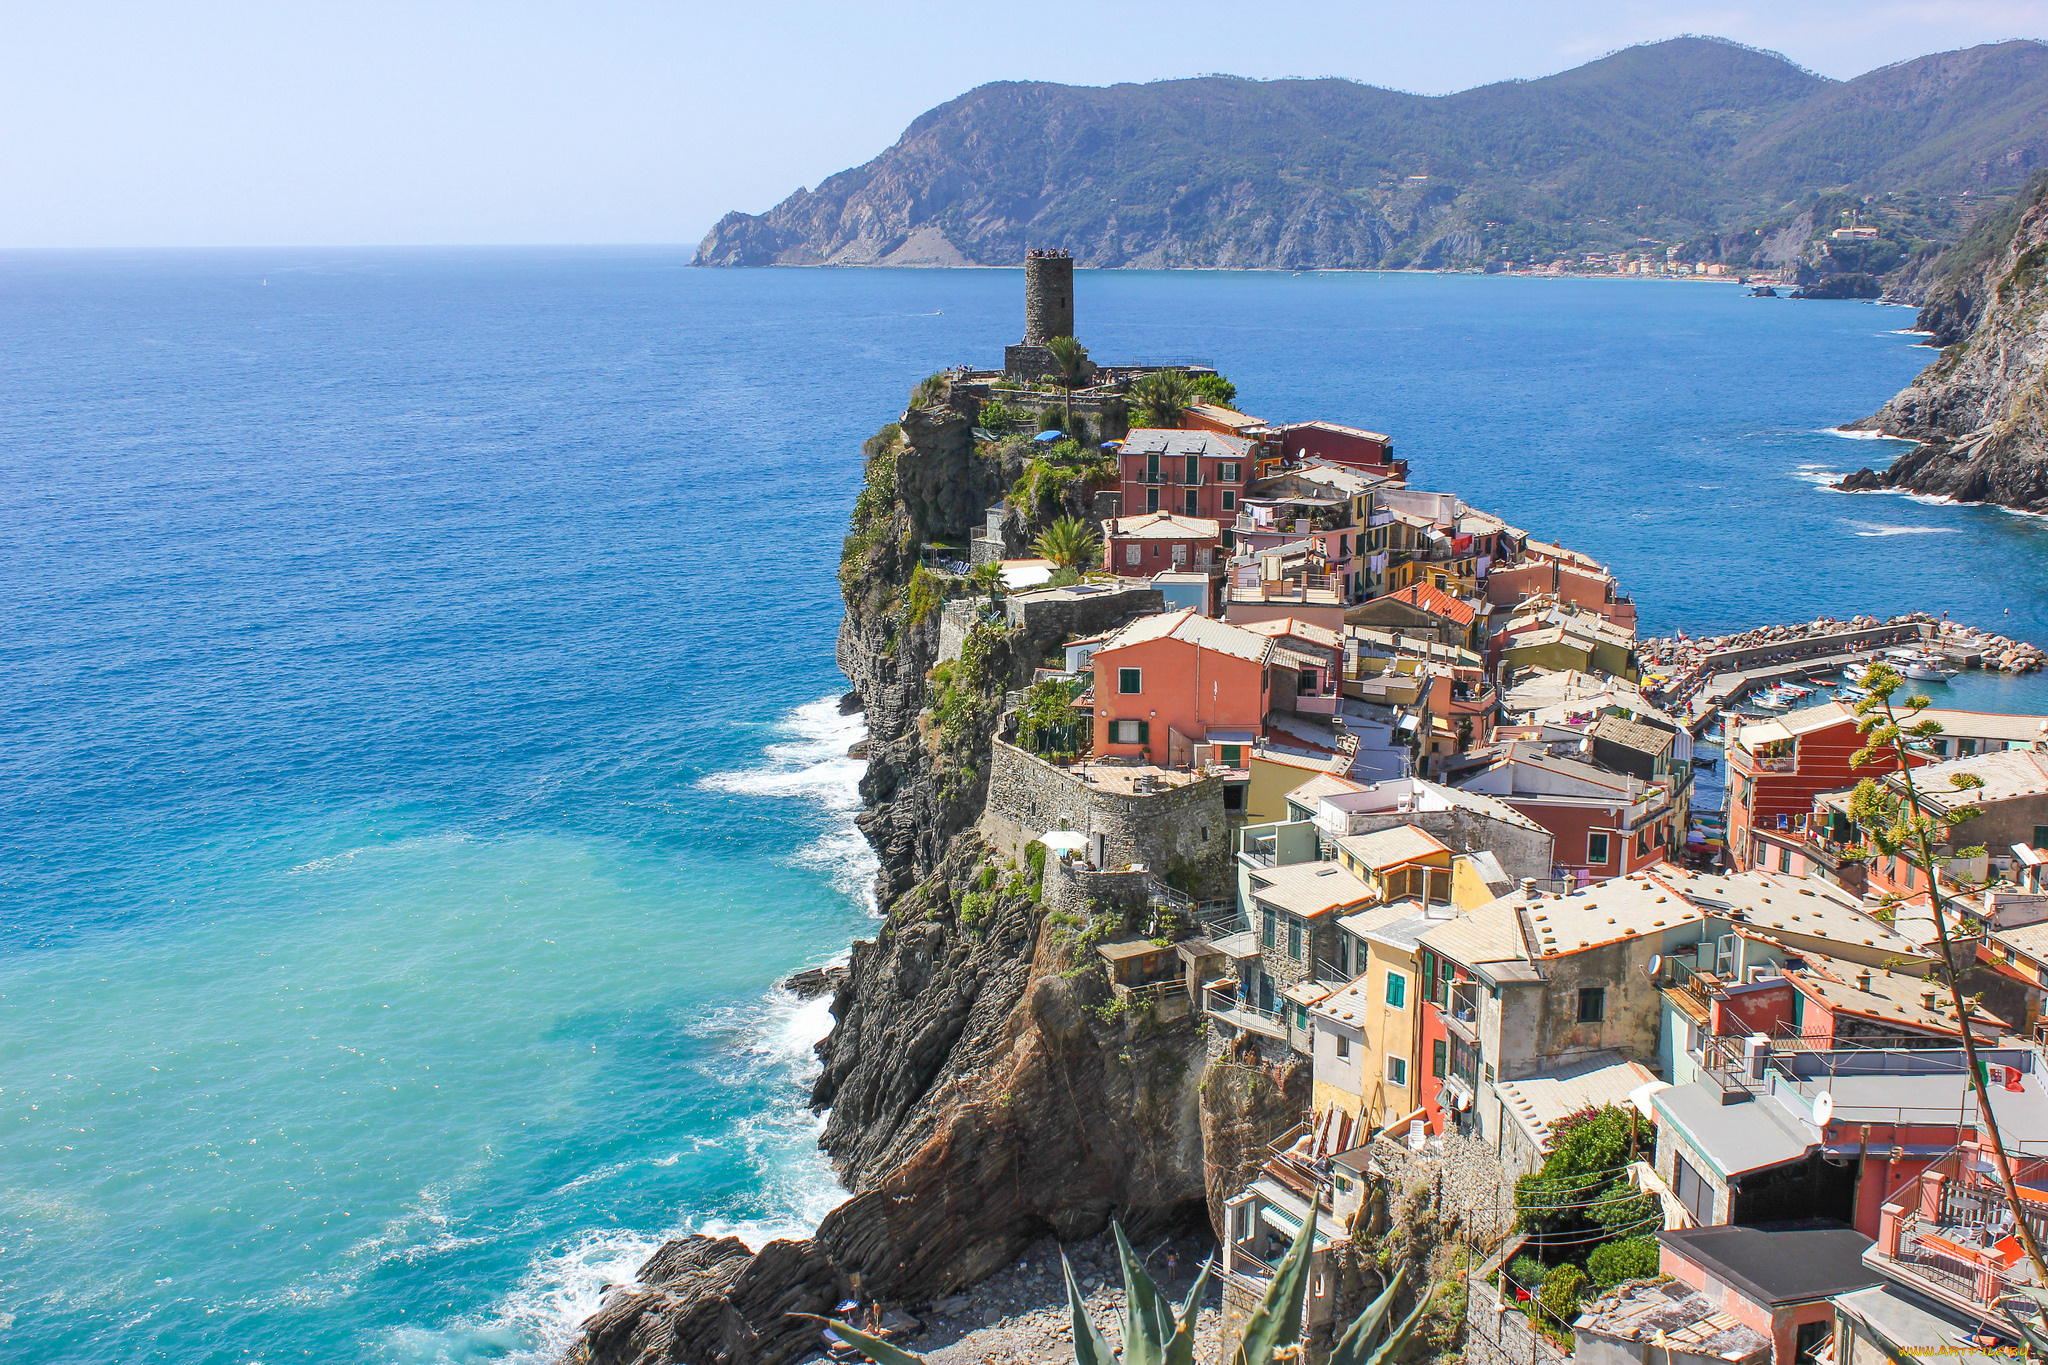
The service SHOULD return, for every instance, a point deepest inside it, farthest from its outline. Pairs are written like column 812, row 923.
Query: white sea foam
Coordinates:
column 794, row 1189
column 1849, row 435
column 811, row 765
column 1910, row 332
column 1867, row 528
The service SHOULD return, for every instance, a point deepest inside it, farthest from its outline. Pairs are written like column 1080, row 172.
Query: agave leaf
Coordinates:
column 1276, row 1322
column 1360, row 1335
column 1145, row 1334
column 1181, row 1350
column 1393, row 1343
column 874, row 1348
column 1090, row 1346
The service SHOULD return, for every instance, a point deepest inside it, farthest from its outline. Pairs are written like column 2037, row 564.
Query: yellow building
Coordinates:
column 1406, row 860
column 1276, row 772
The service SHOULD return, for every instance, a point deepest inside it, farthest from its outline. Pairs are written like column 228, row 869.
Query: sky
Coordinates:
column 297, row 122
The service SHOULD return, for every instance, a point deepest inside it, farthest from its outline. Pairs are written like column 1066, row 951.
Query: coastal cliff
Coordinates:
column 984, row 1086
column 1980, row 411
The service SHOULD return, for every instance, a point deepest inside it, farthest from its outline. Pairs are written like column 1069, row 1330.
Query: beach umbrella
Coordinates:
column 1064, row 840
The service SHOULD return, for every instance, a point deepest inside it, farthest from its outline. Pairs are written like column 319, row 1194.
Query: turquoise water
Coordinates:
column 419, row 762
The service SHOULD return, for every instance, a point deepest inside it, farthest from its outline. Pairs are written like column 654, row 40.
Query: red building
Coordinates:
column 1341, row 445
column 1188, row 473
column 1145, row 544
column 1776, row 767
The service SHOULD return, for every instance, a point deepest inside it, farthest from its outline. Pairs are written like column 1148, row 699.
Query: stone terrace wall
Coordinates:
column 1184, row 828
column 1465, row 1180
column 1497, row 1337
column 1055, row 616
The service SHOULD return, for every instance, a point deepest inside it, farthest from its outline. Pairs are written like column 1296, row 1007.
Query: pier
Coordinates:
column 1725, row 689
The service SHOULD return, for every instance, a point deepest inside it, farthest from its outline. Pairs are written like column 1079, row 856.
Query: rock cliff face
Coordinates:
column 1980, row 411
column 983, row 1090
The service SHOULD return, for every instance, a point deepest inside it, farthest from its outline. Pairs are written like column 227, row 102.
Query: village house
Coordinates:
column 1778, row 1281
column 1290, row 901
column 1421, row 610
column 1165, row 683
column 1341, row 445
column 1549, row 994
column 1373, row 1024
column 1157, row 542
column 1602, row 823
column 1463, row 821
column 1198, row 474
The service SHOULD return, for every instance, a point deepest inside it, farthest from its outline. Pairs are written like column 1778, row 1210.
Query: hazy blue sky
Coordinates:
column 458, row 121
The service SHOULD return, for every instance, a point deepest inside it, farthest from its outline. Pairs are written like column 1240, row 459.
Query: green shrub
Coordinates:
column 1213, row 388
column 1560, row 1294
column 1034, row 858
column 999, row 417
column 1528, row 1272
column 973, row 906
column 924, row 597
column 1632, row 1258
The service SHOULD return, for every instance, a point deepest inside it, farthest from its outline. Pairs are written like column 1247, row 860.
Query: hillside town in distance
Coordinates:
column 1413, row 805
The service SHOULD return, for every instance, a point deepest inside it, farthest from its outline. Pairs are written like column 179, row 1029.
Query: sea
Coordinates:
column 419, row 749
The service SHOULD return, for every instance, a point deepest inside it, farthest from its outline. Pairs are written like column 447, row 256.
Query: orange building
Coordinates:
column 1166, row 683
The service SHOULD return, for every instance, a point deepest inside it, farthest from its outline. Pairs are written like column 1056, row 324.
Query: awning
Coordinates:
column 1047, row 437
column 1069, row 840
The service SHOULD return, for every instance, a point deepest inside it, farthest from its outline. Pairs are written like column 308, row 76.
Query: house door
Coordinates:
column 1265, row 993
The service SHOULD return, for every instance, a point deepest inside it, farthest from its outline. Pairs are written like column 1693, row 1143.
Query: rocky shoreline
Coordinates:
column 1979, row 413
column 1998, row 652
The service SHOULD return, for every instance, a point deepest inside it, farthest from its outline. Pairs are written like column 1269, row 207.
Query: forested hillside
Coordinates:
column 1694, row 142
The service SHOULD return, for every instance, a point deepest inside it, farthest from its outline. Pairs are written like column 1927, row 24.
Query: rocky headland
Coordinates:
column 982, row 1092
column 1980, row 411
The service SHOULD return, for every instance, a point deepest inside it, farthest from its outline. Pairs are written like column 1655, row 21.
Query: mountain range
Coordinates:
column 1721, row 149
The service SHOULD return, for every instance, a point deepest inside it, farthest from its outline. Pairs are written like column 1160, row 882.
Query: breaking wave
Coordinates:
column 811, row 765
column 1867, row 528
column 1849, row 435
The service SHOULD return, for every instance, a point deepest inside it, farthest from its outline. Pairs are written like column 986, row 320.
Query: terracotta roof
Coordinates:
column 1633, row 735
column 1311, row 792
column 1436, row 602
column 1307, row 889
column 1163, row 526
column 1216, row 412
column 1895, row 998
column 2006, row 775
column 1392, row 847
column 1300, row 630
column 1488, row 934
column 1191, row 627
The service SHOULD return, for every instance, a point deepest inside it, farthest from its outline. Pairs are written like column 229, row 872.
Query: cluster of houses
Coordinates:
column 1463, row 899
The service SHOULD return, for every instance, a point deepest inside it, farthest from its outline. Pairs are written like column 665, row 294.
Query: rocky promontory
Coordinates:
column 983, row 1092
column 1980, row 411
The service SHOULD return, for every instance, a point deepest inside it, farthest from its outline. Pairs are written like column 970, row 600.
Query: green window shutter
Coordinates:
column 1439, row 1052
column 1144, row 732
column 1397, row 990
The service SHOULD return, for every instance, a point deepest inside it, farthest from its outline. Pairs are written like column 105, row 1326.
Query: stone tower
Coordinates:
column 1048, row 296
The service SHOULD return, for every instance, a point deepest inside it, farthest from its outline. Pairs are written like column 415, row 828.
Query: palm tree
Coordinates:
column 987, row 577
column 1072, row 358
column 1068, row 543
column 1163, row 397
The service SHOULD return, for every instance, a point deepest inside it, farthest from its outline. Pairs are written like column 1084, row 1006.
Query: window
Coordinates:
column 1343, row 1046
column 1301, row 1017
column 1596, row 848
column 1194, row 503
column 1130, row 681
column 1306, row 684
column 1191, row 471
column 1130, row 554
column 1155, row 551
column 1488, row 1073
column 1232, row 755
column 1592, row 1004
column 1268, row 926
column 1152, row 467
column 1152, row 500
column 1229, row 501
column 1439, row 1057
column 1397, row 1071
column 2041, row 836
column 1130, row 732
column 1343, row 547
column 1397, row 990
column 1180, row 555
column 1966, row 747
column 1784, row 860
column 1694, row 1192
column 1227, row 473
column 1294, row 939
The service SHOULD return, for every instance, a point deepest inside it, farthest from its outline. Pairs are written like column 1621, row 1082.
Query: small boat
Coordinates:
column 1927, row 670
column 1848, row 693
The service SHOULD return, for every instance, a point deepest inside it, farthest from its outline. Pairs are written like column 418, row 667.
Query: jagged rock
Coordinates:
column 813, row 982
column 1980, row 411
column 851, row 704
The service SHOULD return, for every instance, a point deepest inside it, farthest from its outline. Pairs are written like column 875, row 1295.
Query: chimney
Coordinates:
column 1927, row 998
column 1529, row 892
column 1863, row 980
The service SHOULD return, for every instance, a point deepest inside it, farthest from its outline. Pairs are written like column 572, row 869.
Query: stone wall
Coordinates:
column 1181, row 829
column 956, row 619
column 1048, row 298
column 1466, row 1184
column 1070, row 889
column 1053, row 616
column 1498, row 1334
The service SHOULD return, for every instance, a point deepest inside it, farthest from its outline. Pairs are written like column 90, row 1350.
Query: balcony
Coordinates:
column 1952, row 1236
column 1221, row 1004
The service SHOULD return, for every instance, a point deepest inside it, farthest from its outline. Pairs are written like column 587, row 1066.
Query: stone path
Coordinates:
column 1019, row 1315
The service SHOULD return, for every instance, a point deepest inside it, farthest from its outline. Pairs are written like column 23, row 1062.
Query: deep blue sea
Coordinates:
column 417, row 761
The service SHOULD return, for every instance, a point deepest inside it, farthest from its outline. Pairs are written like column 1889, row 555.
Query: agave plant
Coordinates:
column 1068, row 543
column 1158, row 1332
column 1163, row 397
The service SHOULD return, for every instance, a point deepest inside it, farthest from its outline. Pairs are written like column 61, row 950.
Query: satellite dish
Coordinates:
column 1824, row 1108
column 1651, row 967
